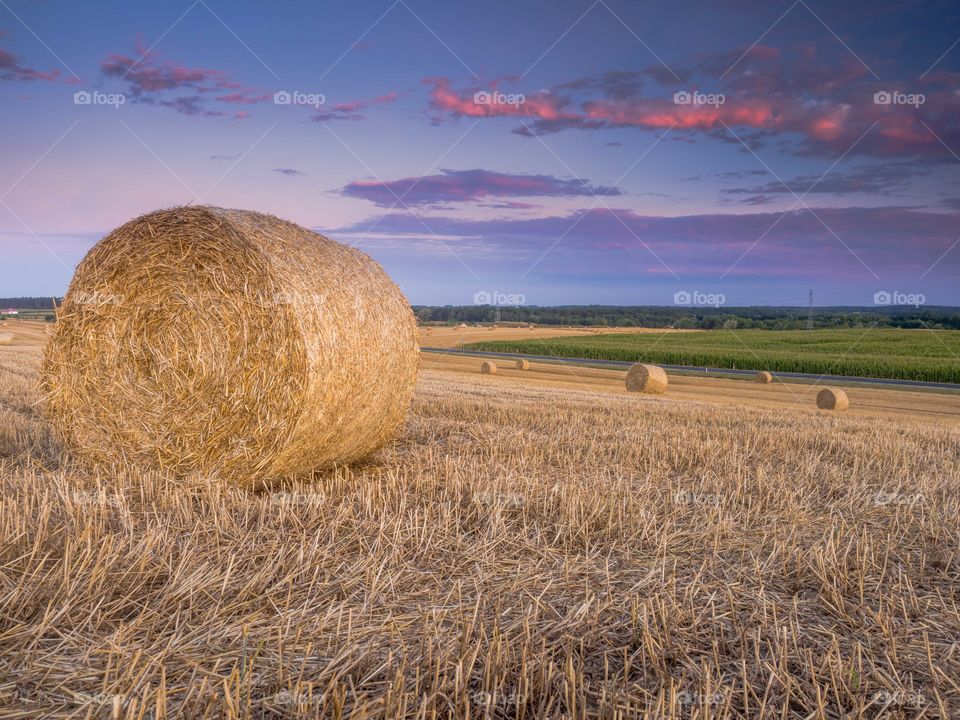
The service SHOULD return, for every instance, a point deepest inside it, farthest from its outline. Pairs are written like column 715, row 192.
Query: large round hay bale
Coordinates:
column 228, row 344
column 649, row 379
column 764, row 377
column 523, row 364
column 832, row 399
column 6, row 338
column 488, row 367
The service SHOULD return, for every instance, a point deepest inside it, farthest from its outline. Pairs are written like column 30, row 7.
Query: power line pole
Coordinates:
column 810, row 311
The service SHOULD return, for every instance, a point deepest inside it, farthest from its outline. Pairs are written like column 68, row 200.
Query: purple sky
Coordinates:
column 601, row 152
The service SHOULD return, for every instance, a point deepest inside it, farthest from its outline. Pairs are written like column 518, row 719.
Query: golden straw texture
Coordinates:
column 832, row 399
column 523, row 364
column 228, row 343
column 764, row 376
column 649, row 379
column 6, row 338
column 488, row 367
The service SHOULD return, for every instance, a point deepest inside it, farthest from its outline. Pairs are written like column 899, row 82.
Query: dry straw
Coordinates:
column 229, row 344
column 832, row 399
column 649, row 379
column 6, row 338
column 764, row 377
column 488, row 367
column 523, row 364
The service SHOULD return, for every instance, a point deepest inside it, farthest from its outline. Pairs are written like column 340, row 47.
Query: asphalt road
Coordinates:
column 810, row 377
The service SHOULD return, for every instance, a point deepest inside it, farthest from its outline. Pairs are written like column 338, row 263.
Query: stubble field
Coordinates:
column 534, row 545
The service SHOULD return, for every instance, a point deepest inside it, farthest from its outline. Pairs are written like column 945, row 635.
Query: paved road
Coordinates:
column 688, row 368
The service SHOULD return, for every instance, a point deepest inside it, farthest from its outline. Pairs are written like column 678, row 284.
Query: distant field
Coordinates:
column 39, row 315
column 932, row 355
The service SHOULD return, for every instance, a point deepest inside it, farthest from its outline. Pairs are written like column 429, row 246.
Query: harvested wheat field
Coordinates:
column 532, row 546
column 443, row 336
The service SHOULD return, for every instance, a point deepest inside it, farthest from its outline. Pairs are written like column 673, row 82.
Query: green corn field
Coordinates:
column 931, row 355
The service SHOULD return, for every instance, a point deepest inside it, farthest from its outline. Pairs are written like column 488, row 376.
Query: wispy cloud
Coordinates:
column 184, row 89
column 450, row 186
column 352, row 109
column 12, row 68
column 899, row 242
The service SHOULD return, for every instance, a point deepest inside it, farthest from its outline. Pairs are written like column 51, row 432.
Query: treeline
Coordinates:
column 697, row 318
column 29, row 303
column 683, row 317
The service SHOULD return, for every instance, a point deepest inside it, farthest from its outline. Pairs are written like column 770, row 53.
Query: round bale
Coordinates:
column 832, row 399
column 649, row 379
column 6, row 338
column 764, row 377
column 523, row 364
column 229, row 344
column 488, row 367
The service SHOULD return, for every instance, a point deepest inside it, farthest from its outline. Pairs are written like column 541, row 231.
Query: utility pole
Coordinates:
column 810, row 311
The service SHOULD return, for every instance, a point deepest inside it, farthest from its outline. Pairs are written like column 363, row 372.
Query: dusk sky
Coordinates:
column 568, row 152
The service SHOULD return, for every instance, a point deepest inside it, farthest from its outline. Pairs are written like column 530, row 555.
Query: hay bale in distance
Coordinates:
column 6, row 338
column 832, row 399
column 523, row 364
column 764, row 376
column 488, row 367
column 228, row 344
column 651, row 379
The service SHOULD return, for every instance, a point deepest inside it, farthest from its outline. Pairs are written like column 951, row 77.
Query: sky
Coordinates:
column 570, row 152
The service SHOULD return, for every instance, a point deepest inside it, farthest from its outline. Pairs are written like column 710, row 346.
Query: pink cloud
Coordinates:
column 824, row 105
column 146, row 75
column 185, row 89
column 12, row 69
column 540, row 105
